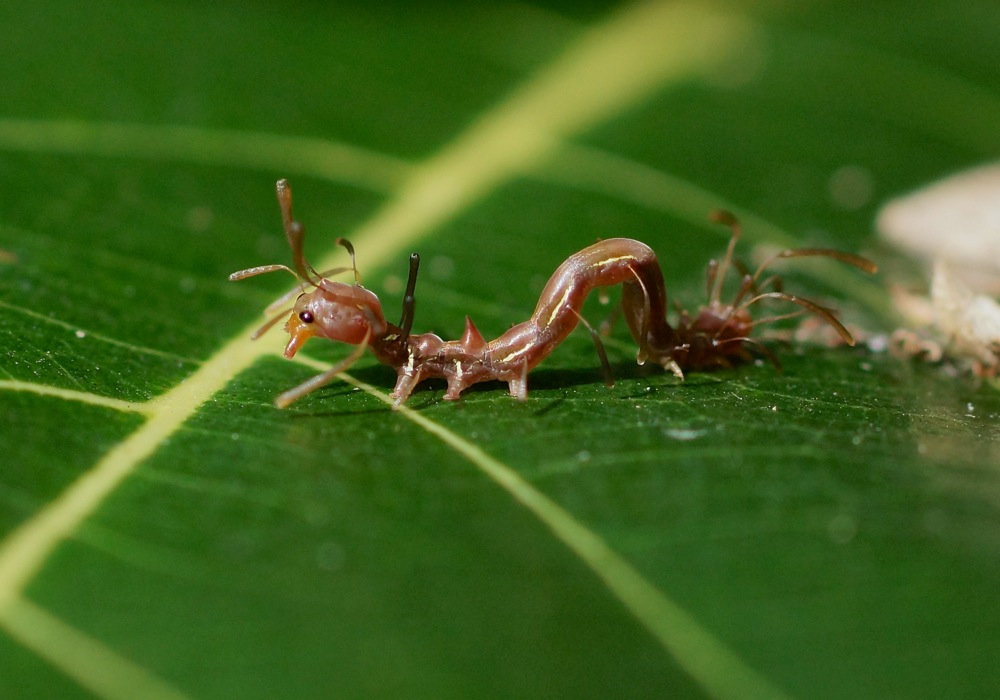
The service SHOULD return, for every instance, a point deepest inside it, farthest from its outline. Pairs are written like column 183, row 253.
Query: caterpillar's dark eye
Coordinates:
column 306, row 317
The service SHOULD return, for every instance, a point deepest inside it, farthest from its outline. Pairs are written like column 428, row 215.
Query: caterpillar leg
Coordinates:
column 671, row 366
column 405, row 383
column 519, row 385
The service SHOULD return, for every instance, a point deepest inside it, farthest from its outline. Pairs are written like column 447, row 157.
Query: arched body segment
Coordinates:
column 608, row 263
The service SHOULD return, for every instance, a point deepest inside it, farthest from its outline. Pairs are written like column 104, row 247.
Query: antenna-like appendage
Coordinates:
column 350, row 251
column 294, row 232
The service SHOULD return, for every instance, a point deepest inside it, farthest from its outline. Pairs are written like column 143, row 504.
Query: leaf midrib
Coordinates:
column 600, row 76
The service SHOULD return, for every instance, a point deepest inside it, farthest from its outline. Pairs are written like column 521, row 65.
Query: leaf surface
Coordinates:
column 826, row 531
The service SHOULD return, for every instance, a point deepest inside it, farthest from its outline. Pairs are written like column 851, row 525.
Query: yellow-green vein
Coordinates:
column 82, row 333
column 73, row 395
column 327, row 160
column 85, row 659
column 609, row 174
column 709, row 661
column 612, row 67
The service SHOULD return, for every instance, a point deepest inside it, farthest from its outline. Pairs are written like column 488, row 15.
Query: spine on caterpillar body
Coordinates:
column 718, row 335
column 521, row 348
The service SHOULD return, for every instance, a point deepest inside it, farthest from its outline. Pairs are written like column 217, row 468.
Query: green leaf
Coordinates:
column 825, row 531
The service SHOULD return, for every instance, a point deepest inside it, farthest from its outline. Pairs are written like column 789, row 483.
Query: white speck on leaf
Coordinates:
column 684, row 435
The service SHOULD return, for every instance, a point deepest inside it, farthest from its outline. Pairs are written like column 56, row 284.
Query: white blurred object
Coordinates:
column 954, row 224
column 956, row 219
column 970, row 322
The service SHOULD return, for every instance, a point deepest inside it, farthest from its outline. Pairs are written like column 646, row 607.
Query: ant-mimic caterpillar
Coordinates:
column 717, row 336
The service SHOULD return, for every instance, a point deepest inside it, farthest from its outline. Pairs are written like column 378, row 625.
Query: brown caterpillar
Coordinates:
column 717, row 336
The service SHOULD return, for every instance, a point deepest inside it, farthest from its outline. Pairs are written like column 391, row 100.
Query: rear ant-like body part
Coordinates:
column 717, row 336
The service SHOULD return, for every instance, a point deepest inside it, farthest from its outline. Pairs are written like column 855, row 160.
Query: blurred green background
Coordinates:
column 828, row 531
